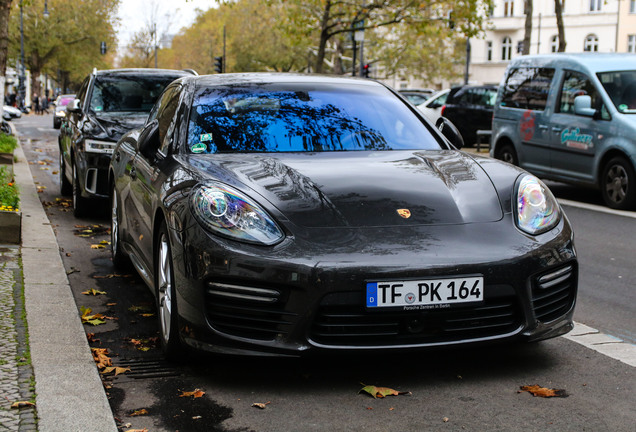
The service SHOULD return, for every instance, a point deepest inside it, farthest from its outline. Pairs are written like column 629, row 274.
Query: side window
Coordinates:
column 165, row 114
column 577, row 84
column 527, row 88
column 81, row 94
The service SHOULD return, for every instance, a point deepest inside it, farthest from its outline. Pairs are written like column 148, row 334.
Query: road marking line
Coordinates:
column 605, row 344
column 597, row 208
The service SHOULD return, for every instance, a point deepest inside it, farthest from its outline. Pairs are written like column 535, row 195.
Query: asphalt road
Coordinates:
column 470, row 389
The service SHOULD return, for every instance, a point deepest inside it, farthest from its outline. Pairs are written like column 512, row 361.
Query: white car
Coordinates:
column 12, row 112
column 432, row 108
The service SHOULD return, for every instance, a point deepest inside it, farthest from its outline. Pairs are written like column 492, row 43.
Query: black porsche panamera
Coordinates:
column 283, row 214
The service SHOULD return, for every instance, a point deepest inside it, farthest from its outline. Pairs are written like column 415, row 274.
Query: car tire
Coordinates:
column 618, row 184
column 120, row 259
column 80, row 204
column 66, row 188
column 508, row 154
column 56, row 123
column 167, row 310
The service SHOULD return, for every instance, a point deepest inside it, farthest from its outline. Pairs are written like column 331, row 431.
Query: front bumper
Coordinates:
column 306, row 295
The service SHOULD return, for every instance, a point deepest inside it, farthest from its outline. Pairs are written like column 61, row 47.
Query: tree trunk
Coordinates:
column 527, row 37
column 324, row 36
column 5, row 10
column 558, row 10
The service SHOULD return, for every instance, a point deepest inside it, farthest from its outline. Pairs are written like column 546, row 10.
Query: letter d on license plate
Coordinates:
column 425, row 294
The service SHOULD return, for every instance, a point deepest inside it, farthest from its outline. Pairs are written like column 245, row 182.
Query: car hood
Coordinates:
column 360, row 189
column 116, row 125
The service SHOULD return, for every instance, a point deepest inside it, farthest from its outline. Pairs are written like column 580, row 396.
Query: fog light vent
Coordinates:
column 551, row 279
column 239, row 292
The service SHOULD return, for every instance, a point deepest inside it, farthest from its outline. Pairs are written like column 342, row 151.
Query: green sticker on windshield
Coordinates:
column 623, row 107
column 198, row 148
column 206, row 137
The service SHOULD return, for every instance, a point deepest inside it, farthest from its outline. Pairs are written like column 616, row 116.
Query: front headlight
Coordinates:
column 537, row 209
column 60, row 114
column 95, row 146
column 226, row 211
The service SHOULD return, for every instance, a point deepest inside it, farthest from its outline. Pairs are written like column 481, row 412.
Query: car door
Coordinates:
column 145, row 171
column 575, row 139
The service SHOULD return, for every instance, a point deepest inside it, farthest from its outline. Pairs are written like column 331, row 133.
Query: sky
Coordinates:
column 135, row 14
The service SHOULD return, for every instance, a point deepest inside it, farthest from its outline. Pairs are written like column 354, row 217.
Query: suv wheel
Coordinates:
column 618, row 184
column 120, row 260
column 508, row 154
column 66, row 188
column 80, row 204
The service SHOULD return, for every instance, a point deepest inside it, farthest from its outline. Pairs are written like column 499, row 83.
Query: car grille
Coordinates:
column 247, row 311
column 343, row 322
column 553, row 293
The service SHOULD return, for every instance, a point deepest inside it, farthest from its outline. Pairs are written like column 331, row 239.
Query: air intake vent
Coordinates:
column 554, row 292
column 247, row 311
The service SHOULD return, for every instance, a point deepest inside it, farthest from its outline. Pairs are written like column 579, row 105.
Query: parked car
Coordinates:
column 416, row 96
column 60, row 109
column 572, row 118
column 109, row 104
column 470, row 108
column 9, row 112
column 432, row 108
column 291, row 214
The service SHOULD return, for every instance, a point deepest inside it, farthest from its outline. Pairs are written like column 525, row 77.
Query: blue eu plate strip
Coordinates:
column 372, row 294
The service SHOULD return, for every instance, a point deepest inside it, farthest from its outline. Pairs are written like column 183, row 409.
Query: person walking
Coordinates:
column 36, row 103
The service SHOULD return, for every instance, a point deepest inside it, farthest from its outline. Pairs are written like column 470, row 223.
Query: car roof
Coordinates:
column 144, row 71
column 258, row 78
column 592, row 62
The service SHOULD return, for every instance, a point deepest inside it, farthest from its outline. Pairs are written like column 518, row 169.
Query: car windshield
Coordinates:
column 127, row 93
column 621, row 88
column 303, row 118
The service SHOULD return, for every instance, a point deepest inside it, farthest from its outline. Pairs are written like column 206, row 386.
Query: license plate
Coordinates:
column 425, row 293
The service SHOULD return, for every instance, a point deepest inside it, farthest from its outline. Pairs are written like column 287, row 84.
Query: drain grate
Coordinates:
column 146, row 369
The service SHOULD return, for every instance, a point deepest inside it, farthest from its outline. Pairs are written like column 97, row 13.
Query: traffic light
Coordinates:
column 218, row 64
column 451, row 20
column 366, row 69
column 102, row 47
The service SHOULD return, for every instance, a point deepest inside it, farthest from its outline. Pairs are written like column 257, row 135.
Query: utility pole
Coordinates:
column 467, row 61
column 155, row 37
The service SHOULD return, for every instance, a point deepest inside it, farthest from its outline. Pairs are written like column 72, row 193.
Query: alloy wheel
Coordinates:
column 165, row 287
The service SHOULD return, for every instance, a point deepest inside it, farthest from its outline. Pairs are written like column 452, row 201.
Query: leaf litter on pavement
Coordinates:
column 381, row 392
column 538, row 391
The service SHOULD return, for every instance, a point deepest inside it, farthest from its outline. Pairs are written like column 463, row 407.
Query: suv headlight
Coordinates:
column 95, row 146
column 537, row 210
column 226, row 211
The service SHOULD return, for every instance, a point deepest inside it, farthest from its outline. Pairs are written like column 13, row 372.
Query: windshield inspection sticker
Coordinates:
column 575, row 139
column 206, row 137
column 198, row 148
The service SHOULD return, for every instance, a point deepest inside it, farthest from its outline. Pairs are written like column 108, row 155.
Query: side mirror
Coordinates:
column 435, row 105
column 450, row 132
column 583, row 106
column 148, row 141
column 74, row 106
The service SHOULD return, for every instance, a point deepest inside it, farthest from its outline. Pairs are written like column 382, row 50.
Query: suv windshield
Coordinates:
column 131, row 93
column 621, row 88
column 303, row 118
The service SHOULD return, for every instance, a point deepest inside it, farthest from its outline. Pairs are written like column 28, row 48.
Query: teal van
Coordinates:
column 571, row 118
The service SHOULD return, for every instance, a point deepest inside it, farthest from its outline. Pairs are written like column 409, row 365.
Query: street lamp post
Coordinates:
column 21, row 72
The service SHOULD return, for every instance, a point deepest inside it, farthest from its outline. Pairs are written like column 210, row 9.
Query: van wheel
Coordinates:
column 618, row 184
column 508, row 154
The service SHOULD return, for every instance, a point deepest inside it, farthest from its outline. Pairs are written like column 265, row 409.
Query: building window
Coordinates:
column 632, row 6
column 631, row 43
column 591, row 43
column 489, row 50
column 554, row 43
column 509, row 6
column 595, row 5
column 506, row 48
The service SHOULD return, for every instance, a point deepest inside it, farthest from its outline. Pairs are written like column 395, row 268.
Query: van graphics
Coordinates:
column 527, row 125
column 575, row 139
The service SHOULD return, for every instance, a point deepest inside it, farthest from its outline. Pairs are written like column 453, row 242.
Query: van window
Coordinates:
column 527, row 88
column 577, row 84
column 621, row 88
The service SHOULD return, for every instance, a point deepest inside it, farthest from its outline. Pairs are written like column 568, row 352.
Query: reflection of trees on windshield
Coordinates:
column 280, row 121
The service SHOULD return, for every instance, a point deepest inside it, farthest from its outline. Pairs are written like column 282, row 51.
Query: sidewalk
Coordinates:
column 69, row 392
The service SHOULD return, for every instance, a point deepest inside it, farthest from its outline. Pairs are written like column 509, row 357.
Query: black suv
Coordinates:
column 470, row 108
column 109, row 104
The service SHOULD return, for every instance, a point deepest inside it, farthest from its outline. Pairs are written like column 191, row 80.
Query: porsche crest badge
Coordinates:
column 405, row 213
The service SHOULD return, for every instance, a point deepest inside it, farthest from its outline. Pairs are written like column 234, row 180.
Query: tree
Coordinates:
column 558, row 10
column 527, row 37
column 68, row 40
column 5, row 11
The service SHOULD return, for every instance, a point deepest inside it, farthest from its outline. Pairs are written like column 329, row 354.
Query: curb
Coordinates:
column 69, row 392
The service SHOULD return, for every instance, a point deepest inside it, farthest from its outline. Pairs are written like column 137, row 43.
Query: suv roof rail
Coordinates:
column 192, row 71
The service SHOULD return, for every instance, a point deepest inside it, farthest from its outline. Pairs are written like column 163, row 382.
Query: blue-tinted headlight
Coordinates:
column 226, row 211
column 537, row 209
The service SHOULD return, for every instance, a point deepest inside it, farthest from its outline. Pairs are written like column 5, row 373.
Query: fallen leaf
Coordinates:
column 260, row 405
column 116, row 369
column 22, row 404
column 101, row 358
column 98, row 246
column 445, row 419
column 109, row 276
column 195, row 394
column 380, row 392
column 138, row 412
column 72, row 270
column 536, row 390
column 94, row 292
column 197, row 418
column 142, row 308
column 136, row 430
